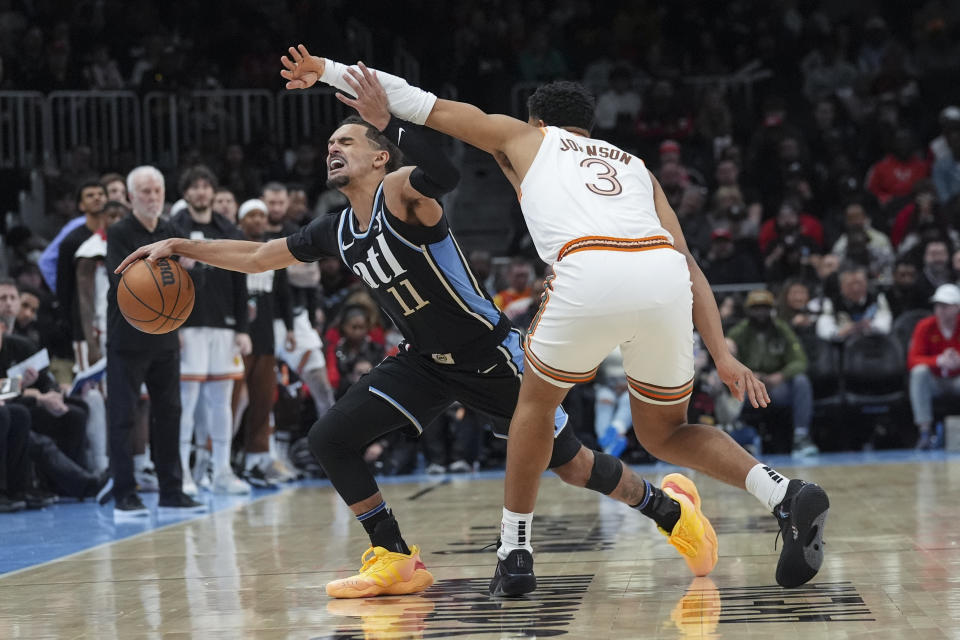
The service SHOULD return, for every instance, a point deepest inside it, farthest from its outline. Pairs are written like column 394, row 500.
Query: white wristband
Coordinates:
column 407, row 103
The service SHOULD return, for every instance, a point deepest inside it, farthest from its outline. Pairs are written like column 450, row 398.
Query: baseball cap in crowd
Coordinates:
column 760, row 297
column 251, row 205
column 721, row 233
column 947, row 294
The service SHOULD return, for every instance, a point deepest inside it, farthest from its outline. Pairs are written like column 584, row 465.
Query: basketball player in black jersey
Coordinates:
column 457, row 344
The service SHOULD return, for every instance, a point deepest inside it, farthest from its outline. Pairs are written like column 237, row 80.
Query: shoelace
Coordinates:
column 369, row 558
column 492, row 544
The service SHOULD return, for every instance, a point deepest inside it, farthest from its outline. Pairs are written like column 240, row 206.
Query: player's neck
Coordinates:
column 361, row 199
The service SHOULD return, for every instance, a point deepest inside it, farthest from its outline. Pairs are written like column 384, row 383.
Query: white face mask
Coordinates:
column 34, row 256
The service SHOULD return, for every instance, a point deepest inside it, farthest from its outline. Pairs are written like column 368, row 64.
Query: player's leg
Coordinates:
column 194, row 369
column 396, row 394
column 659, row 366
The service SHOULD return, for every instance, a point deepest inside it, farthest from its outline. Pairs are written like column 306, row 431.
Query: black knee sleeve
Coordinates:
column 606, row 473
column 565, row 448
column 340, row 456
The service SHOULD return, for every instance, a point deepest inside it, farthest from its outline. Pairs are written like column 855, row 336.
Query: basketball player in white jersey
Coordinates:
column 624, row 276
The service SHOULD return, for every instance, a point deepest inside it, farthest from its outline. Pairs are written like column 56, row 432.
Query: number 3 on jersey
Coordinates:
column 606, row 182
column 418, row 301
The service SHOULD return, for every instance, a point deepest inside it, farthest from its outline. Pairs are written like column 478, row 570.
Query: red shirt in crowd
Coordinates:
column 894, row 178
column 928, row 342
column 809, row 226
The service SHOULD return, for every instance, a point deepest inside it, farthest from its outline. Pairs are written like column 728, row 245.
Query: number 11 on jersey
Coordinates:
column 418, row 301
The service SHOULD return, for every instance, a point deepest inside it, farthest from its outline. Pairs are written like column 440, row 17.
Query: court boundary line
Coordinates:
column 198, row 516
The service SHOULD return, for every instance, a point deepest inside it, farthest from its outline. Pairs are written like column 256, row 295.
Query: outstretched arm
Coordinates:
column 706, row 316
column 234, row 255
column 491, row 133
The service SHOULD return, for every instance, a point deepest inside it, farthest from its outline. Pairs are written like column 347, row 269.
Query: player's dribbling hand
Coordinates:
column 371, row 101
column 742, row 382
column 301, row 69
column 149, row 252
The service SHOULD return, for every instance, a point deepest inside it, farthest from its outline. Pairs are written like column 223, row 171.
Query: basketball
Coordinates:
column 155, row 297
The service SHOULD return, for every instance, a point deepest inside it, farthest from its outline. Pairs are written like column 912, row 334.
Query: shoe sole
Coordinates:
column 801, row 560
column 513, row 585
column 419, row 581
column 684, row 486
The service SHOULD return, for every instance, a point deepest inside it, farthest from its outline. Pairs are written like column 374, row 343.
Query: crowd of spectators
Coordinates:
column 821, row 197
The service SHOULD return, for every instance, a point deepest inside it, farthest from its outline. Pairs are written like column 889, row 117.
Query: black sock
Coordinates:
column 659, row 507
column 383, row 529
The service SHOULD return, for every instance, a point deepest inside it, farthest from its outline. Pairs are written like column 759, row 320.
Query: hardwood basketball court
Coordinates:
column 258, row 569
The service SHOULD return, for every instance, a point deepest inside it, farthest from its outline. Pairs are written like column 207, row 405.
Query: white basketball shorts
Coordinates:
column 639, row 298
column 209, row 353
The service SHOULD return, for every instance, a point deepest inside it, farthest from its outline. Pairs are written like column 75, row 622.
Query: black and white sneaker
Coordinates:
column 255, row 477
column 181, row 502
column 514, row 576
column 801, row 516
column 130, row 506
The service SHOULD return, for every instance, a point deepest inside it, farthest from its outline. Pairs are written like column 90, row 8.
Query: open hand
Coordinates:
column 149, row 252
column 742, row 381
column 301, row 69
column 371, row 101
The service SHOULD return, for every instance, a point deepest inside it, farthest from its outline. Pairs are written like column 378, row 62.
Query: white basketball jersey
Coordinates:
column 579, row 187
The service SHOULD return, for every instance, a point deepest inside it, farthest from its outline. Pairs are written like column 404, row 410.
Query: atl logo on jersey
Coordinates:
column 375, row 273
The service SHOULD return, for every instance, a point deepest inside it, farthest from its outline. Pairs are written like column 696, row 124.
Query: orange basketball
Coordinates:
column 155, row 297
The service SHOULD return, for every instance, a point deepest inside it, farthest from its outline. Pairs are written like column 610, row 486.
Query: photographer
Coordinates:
column 790, row 249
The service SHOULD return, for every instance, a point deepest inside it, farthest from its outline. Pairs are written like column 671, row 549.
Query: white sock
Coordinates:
column 767, row 485
column 220, row 457
column 516, row 530
column 185, row 449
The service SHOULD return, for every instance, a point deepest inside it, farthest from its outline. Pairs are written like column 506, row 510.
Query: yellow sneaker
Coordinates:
column 693, row 535
column 384, row 573
column 390, row 618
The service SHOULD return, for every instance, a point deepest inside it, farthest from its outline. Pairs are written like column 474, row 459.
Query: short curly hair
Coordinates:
column 563, row 104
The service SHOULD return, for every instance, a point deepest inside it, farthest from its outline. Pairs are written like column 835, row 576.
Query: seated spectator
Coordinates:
column 768, row 346
column 856, row 310
column 946, row 169
column 878, row 249
column 922, row 220
column 934, row 359
column 49, row 413
column 904, row 295
column 789, row 253
column 936, row 269
column 355, row 345
column 725, row 265
column 519, row 284
column 790, row 220
column 793, row 307
column 894, row 175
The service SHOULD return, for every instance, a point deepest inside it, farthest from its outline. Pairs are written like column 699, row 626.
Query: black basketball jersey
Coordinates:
column 418, row 275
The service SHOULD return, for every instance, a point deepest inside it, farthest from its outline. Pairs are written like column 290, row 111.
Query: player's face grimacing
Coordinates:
column 350, row 153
